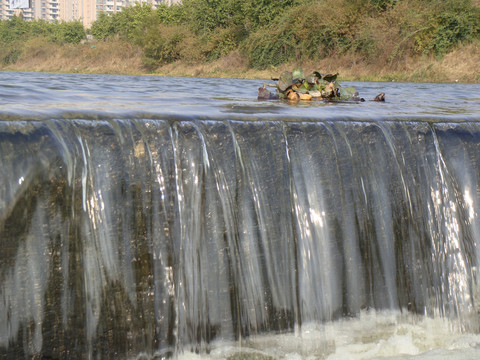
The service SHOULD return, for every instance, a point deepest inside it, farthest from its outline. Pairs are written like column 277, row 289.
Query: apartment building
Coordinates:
column 68, row 10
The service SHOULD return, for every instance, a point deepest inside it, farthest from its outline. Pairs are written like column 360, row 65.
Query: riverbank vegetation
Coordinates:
column 411, row 40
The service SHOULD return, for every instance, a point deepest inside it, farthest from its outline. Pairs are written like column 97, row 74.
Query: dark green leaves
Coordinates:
column 296, row 86
column 330, row 77
column 285, row 81
column 311, row 78
column 298, row 74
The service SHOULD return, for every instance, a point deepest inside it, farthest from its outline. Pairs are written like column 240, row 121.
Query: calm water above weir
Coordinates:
column 37, row 94
column 151, row 217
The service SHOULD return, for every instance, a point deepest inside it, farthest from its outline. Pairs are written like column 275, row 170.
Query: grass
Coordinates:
column 112, row 57
column 119, row 57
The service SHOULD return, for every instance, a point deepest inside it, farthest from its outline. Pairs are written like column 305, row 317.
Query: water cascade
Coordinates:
column 126, row 237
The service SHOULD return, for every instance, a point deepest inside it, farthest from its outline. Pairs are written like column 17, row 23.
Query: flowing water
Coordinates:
column 151, row 217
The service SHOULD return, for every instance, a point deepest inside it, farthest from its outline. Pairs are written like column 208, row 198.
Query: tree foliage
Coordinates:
column 125, row 24
column 269, row 32
column 59, row 32
column 14, row 33
column 454, row 23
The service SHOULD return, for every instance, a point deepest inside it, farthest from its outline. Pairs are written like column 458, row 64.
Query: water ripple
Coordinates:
column 27, row 94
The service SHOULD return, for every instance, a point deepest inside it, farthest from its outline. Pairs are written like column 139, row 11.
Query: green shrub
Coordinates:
column 222, row 42
column 454, row 26
column 9, row 54
column 125, row 24
column 13, row 30
column 59, row 32
column 67, row 32
column 268, row 32
column 382, row 4
column 270, row 45
column 103, row 27
column 255, row 13
column 163, row 44
column 205, row 16
column 310, row 31
column 170, row 15
column 16, row 33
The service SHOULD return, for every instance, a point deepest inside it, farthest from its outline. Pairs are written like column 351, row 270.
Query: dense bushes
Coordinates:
column 196, row 30
column 456, row 22
column 270, row 32
column 164, row 44
column 312, row 30
column 126, row 24
column 58, row 32
column 160, row 33
column 15, row 33
column 375, row 31
column 71, row 32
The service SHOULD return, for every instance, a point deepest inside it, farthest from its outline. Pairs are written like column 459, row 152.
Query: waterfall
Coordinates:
column 126, row 237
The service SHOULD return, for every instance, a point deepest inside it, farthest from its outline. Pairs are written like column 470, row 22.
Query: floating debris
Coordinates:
column 296, row 86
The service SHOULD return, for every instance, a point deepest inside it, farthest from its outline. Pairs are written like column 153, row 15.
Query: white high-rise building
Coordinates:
column 68, row 10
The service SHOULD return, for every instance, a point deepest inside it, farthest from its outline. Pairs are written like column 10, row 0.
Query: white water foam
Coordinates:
column 371, row 335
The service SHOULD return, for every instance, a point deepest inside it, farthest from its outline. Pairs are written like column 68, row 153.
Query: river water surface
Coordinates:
column 43, row 95
column 152, row 217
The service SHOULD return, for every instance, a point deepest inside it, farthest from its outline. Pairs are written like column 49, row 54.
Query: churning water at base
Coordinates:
column 225, row 235
column 371, row 335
